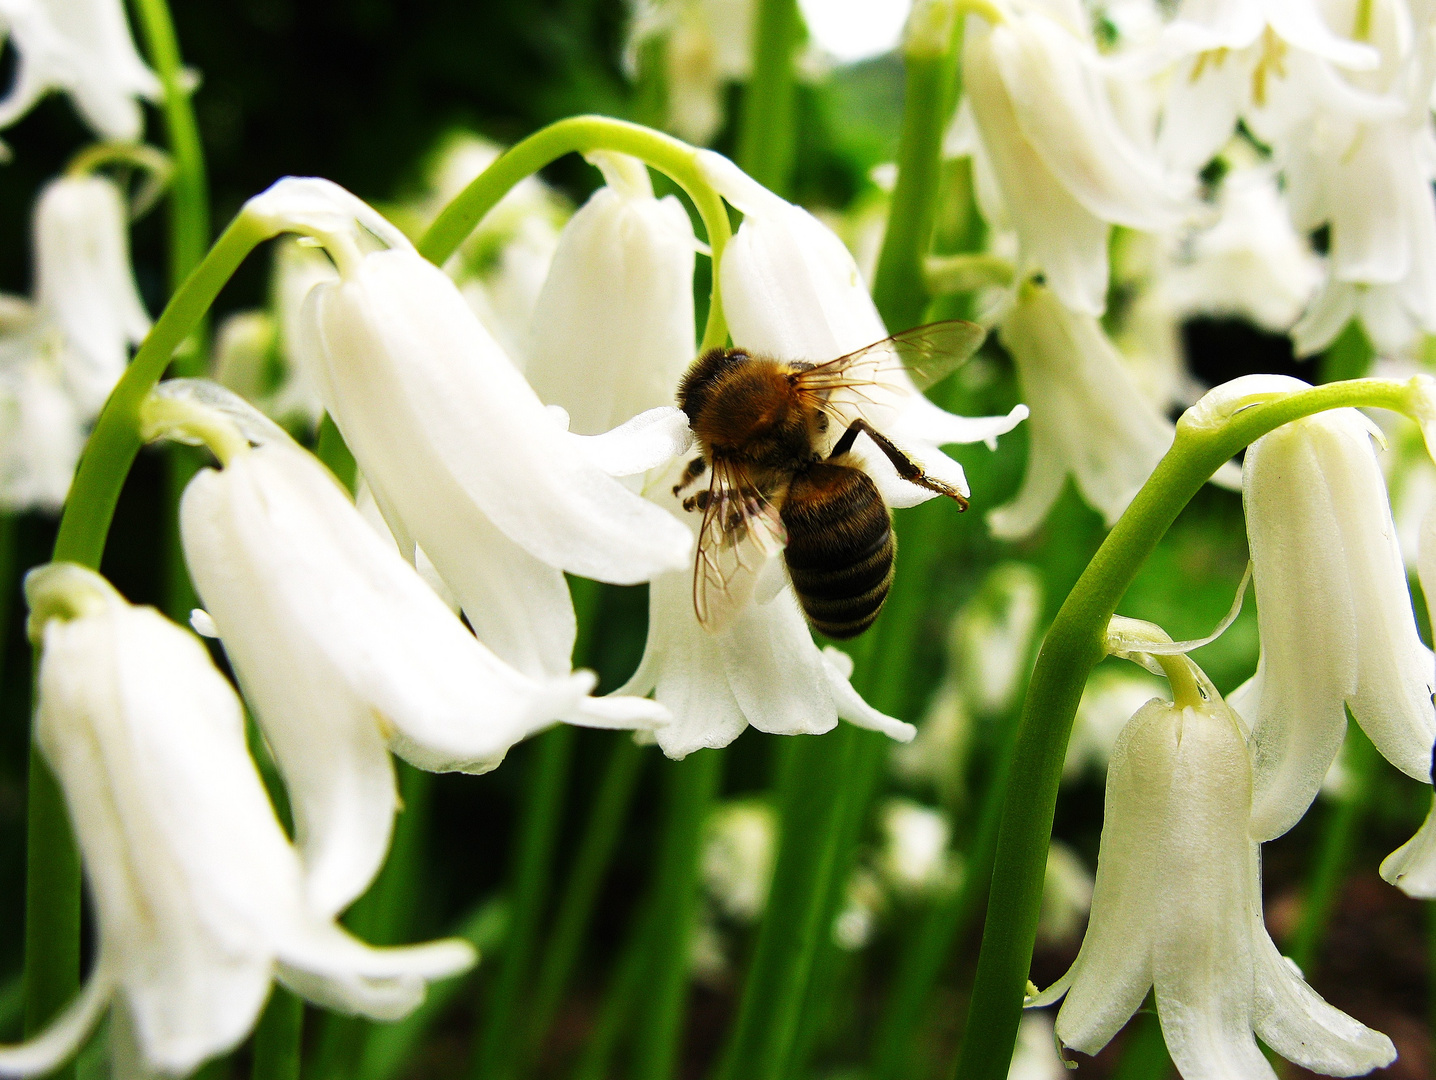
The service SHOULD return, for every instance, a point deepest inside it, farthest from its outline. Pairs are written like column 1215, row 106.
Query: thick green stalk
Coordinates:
column 52, row 904
column 766, row 140
column 539, row 821
column 390, row 1047
column 582, row 134
column 575, row 911
column 621, row 1000
column 276, row 1039
column 814, row 805
column 900, row 287
column 692, row 784
column 1072, row 647
column 1340, row 830
column 942, row 930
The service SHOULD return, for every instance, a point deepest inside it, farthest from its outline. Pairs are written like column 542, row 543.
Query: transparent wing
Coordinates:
column 741, row 531
column 928, row 354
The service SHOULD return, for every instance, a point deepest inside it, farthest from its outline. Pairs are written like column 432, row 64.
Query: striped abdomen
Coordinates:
column 840, row 547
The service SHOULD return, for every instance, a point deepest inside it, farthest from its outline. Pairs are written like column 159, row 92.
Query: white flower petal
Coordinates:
column 64, row 1035
column 838, row 667
column 776, row 673
column 647, row 441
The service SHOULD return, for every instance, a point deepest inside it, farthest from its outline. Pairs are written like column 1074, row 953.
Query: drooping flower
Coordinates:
column 461, row 455
column 1066, row 895
column 199, row 897
column 1060, row 161
column 1177, row 908
column 343, row 651
column 613, row 328
column 790, row 290
column 1109, row 699
column 991, row 638
column 914, row 856
column 84, row 284
column 84, row 48
column 1088, row 421
column 1335, row 619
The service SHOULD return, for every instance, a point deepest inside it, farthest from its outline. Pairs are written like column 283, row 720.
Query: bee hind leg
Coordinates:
column 906, row 467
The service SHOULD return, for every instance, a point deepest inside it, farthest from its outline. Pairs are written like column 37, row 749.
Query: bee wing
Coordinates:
column 927, row 353
column 741, row 531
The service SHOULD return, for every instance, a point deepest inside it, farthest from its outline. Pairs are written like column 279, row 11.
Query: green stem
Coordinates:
column 52, row 904
column 276, row 1039
column 582, row 134
column 575, row 912
column 390, row 1047
column 621, row 1001
column 116, row 439
column 1144, row 1052
column 814, row 795
column 900, row 288
column 942, row 930
column 766, row 143
column 1073, row 646
column 692, row 784
column 539, row 821
column 189, row 207
column 335, row 453
column 1340, row 830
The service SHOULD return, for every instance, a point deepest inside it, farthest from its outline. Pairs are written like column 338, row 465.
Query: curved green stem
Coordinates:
column 581, row 134
column 116, row 438
column 1073, row 646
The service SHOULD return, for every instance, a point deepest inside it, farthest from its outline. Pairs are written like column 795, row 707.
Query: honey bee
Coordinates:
column 764, row 426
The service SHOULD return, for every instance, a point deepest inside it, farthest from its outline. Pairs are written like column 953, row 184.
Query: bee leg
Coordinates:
column 691, row 472
column 908, row 469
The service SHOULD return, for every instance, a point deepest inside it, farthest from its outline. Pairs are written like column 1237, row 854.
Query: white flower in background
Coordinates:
column 1066, row 895
column 1057, row 163
column 1036, row 1057
column 199, row 897
column 914, row 856
column 1109, row 699
column 1250, row 262
column 937, row 756
column 84, row 48
column 343, row 651
column 41, row 433
column 259, row 355
column 853, row 30
column 991, row 638
column 1412, row 866
column 462, row 457
column 500, row 267
column 1177, row 906
column 613, row 329
column 84, row 284
column 1333, row 611
column 739, row 847
column 1243, row 57
column 1088, row 421
column 863, row 905
column 704, row 45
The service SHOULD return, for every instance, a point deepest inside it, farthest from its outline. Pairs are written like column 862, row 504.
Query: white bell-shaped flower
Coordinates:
column 462, row 456
column 790, row 290
column 705, row 44
column 1177, row 908
column 41, row 432
column 199, row 896
column 914, row 856
column 84, row 48
column 1089, row 419
column 613, row 329
column 344, row 652
column 1336, row 625
column 1412, row 866
column 84, row 284
column 1052, row 142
